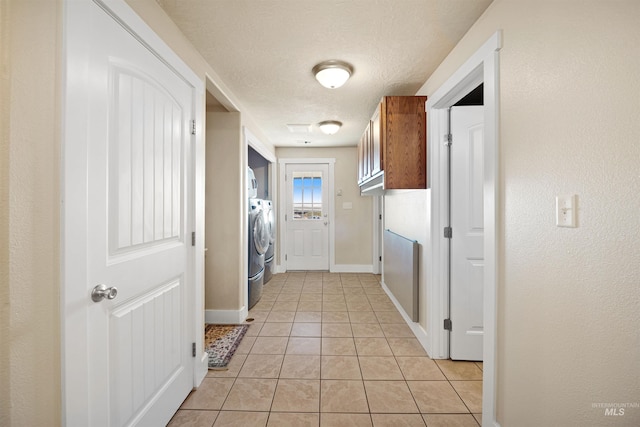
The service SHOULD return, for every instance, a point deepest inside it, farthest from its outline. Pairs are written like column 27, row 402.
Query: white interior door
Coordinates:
column 467, row 222
column 307, row 216
column 129, row 186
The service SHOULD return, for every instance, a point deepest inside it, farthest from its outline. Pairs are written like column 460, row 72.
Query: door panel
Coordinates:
column 133, row 211
column 146, row 200
column 148, row 325
column 467, row 222
column 317, row 243
column 307, row 230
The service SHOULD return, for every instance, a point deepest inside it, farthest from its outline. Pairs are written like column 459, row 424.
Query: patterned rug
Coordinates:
column 221, row 341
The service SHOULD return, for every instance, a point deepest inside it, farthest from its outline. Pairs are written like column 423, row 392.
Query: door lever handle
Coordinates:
column 101, row 292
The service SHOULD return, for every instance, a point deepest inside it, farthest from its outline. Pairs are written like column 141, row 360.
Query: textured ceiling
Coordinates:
column 264, row 51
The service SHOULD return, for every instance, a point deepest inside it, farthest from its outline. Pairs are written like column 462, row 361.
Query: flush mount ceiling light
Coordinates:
column 330, row 126
column 332, row 74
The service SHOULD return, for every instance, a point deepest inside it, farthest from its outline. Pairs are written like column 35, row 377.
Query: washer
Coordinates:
column 270, row 221
column 258, row 245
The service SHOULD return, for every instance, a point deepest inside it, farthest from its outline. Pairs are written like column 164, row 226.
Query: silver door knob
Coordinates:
column 325, row 223
column 101, row 292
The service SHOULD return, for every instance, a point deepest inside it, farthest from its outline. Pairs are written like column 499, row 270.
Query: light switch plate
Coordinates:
column 566, row 211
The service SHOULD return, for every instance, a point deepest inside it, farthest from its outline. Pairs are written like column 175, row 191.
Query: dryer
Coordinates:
column 258, row 245
column 252, row 184
column 270, row 222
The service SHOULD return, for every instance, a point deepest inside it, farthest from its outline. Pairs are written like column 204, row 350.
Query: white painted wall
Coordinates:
column 407, row 213
column 568, row 299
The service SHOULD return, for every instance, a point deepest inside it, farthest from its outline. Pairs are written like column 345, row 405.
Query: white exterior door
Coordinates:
column 467, row 222
column 128, row 213
column 307, row 217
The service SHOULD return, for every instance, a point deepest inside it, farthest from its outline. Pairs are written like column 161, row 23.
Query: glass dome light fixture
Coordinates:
column 330, row 127
column 332, row 74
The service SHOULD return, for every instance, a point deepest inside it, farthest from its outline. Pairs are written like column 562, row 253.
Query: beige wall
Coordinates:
column 568, row 298
column 353, row 227
column 225, row 225
column 30, row 322
column 5, row 318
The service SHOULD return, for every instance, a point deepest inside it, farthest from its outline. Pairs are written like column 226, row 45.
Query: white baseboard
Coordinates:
column 417, row 329
column 225, row 316
column 338, row 268
column 352, row 268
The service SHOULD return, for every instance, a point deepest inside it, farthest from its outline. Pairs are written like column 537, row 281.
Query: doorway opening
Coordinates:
column 465, row 151
column 225, row 216
column 480, row 69
column 261, row 209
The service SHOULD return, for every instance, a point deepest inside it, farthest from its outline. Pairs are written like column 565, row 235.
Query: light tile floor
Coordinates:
column 328, row 349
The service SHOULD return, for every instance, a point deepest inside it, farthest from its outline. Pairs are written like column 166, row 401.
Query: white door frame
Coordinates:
column 73, row 213
column 282, row 226
column 481, row 67
column 376, row 233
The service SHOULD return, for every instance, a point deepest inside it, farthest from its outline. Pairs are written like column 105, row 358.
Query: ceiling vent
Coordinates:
column 299, row 128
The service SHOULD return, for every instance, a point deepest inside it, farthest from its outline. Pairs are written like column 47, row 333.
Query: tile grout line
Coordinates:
column 282, row 290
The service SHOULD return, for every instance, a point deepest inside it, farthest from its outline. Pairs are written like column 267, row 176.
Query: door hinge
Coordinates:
column 448, row 233
column 193, row 349
column 285, row 217
column 448, row 139
column 285, row 257
column 193, row 238
column 380, row 258
column 380, row 217
column 447, row 324
column 193, row 127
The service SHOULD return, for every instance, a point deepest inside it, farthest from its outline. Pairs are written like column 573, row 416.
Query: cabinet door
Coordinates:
column 366, row 140
column 361, row 160
column 405, row 142
column 376, row 140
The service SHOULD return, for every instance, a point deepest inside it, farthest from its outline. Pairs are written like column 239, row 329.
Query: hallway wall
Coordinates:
column 567, row 297
column 225, row 227
column 30, row 193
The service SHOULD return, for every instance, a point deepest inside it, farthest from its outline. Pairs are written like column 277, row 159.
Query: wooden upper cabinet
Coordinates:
column 397, row 144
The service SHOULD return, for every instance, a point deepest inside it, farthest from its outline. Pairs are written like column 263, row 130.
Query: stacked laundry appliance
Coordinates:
column 258, row 241
column 270, row 221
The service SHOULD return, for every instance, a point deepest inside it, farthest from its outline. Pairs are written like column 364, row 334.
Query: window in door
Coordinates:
column 307, row 195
